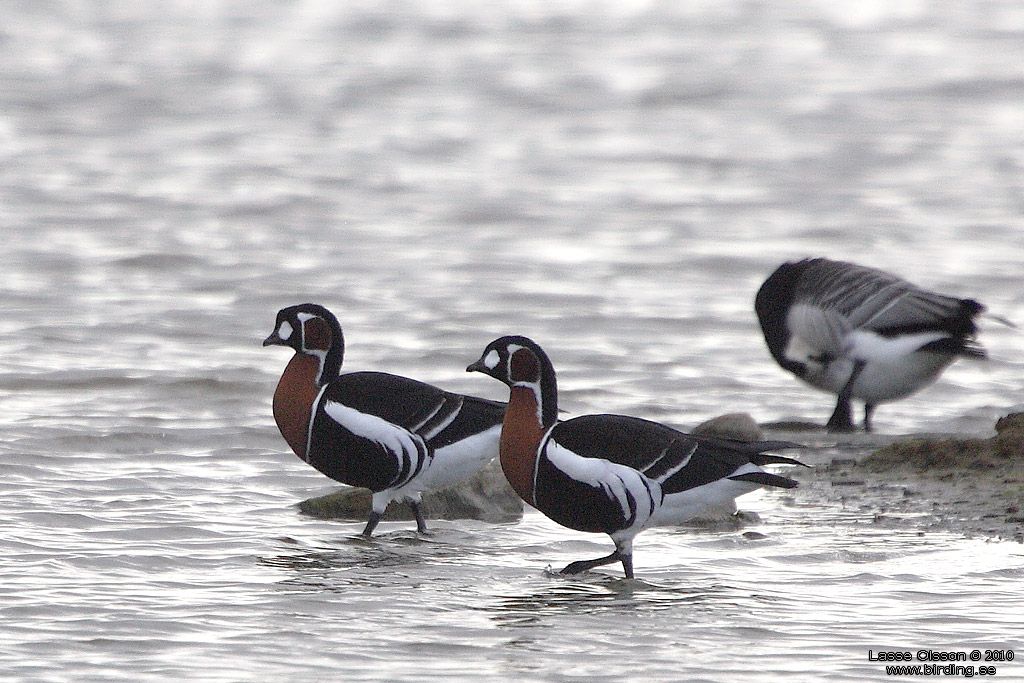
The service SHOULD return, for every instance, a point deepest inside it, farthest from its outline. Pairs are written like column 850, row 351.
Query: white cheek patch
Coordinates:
column 285, row 331
column 491, row 359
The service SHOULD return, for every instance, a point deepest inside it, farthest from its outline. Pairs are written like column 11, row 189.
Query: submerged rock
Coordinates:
column 486, row 496
column 725, row 517
column 741, row 427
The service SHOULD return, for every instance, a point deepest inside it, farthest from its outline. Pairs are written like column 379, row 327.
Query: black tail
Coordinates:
column 767, row 459
column 754, row 447
column 758, row 456
column 766, row 479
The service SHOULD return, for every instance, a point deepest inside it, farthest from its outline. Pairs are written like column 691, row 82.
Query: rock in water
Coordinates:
column 742, row 427
column 486, row 496
column 739, row 426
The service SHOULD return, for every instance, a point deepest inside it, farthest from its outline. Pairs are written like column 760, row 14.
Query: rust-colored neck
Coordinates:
column 521, row 434
column 293, row 400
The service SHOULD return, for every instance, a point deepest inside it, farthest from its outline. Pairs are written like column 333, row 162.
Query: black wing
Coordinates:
column 821, row 301
column 879, row 301
column 476, row 415
column 389, row 427
column 679, row 461
column 416, row 406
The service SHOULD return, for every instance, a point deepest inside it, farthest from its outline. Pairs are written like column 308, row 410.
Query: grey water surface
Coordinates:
column 612, row 179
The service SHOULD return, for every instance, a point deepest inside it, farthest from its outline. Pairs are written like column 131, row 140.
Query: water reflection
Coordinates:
column 559, row 597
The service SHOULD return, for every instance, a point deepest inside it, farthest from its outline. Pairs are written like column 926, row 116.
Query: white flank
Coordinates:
column 395, row 439
column 829, row 347
column 870, row 347
column 894, row 367
column 615, row 480
column 679, row 507
column 458, row 460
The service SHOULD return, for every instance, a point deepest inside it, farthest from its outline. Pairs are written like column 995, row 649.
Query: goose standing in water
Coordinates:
column 611, row 473
column 861, row 333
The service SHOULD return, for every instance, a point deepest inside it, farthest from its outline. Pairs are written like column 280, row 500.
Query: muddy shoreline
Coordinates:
column 970, row 486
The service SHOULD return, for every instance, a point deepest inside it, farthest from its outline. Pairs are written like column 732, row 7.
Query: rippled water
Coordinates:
column 614, row 181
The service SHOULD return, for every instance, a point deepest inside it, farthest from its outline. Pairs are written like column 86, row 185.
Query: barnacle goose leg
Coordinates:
column 869, row 410
column 842, row 416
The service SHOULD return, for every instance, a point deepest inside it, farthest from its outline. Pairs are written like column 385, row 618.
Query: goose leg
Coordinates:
column 842, row 416
column 580, row 566
column 623, row 553
column 371, row 523
column 421, row 524
column 627, row 564
column 869, row 410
